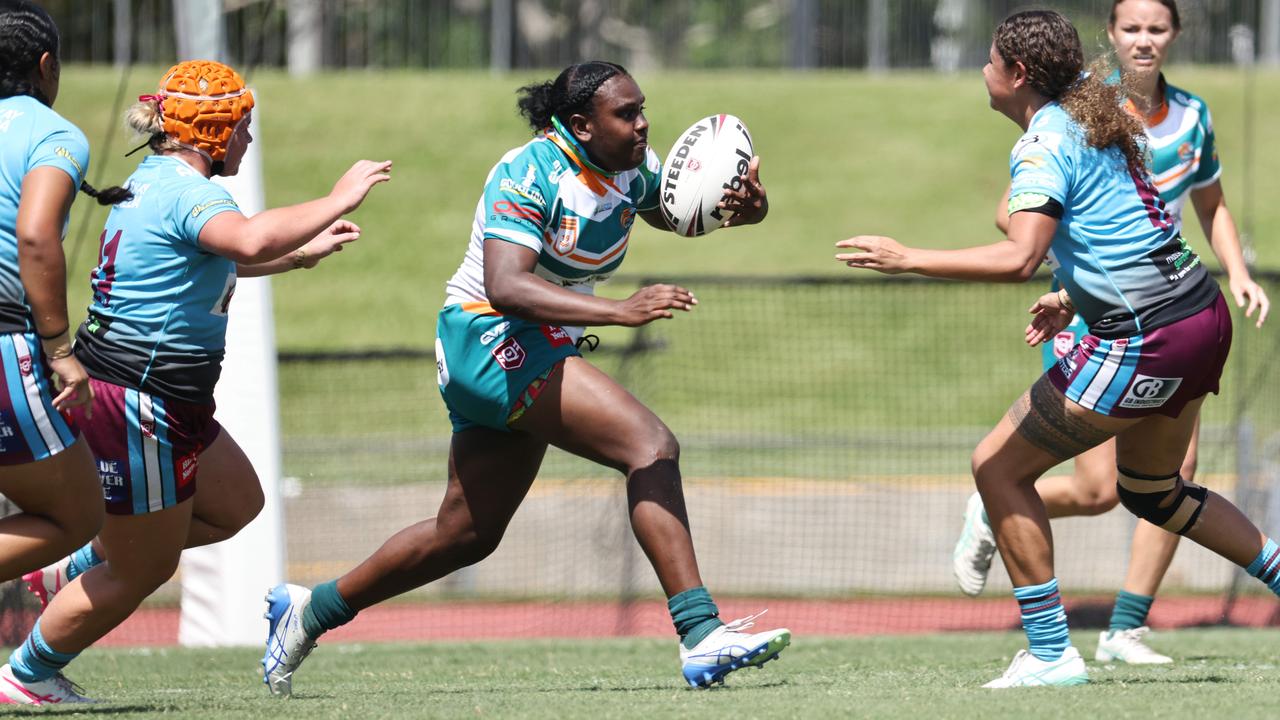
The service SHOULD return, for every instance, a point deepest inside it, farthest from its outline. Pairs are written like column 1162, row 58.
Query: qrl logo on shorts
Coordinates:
column 556, row 335
column 509, row 354
column 24, row 364
column 1149, row 392
column 1062, row 343
column 148, row 428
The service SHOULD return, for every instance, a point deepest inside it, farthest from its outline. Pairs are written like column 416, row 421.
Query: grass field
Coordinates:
column 919, row 156
column 1220, row 673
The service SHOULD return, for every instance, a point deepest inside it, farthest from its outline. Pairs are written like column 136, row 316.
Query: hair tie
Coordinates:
column 157, row 98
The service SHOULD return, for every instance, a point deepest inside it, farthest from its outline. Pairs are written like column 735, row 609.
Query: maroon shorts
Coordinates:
column 1154, row 372
column 147, row 448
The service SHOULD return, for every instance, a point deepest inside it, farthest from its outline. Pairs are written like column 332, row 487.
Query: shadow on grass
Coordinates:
column 83, row 709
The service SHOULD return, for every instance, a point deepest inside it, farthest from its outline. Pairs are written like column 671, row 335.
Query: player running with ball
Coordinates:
column 1160, row 329
column 553, row 221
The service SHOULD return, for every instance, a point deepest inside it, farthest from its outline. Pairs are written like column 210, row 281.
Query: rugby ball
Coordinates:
column 708, row 160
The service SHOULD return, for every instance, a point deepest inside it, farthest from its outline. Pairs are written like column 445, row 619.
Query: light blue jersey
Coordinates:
column 158, row 320
column 1117, row 250
column 32, row 135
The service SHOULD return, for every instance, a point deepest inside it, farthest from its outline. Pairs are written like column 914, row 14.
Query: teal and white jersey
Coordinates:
column 32, row 135
column 1116, row 250
column 546, row 196
column 1183, row 154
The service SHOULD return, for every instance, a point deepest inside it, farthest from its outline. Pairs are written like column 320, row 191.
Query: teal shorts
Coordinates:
column 485, row 362
column 1061, row 344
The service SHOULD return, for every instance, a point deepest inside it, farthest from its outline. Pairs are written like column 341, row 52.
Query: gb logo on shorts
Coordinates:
column 509, row 354
column 1149, row 392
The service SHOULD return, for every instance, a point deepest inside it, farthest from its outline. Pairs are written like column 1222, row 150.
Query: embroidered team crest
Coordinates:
column 1185, row 152
column 509, row 354
column 566, row 238
column 627, row 217
column 148, row 428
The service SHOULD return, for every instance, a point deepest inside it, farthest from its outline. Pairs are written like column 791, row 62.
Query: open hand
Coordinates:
column 329, row 241
column 882, row 254
column 355, row 184
column 748, row 202
column 1050, row 318
column 654, row 302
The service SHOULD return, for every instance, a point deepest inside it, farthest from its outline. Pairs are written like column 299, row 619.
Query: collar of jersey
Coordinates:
column 165, row 158
column 1154, row 118
column 568, row 143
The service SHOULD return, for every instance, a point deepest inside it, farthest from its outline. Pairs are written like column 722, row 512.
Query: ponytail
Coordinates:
column 570, row 93
column 107, row 196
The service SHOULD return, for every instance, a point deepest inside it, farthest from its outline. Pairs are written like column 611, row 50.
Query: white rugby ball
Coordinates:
column 707, row 161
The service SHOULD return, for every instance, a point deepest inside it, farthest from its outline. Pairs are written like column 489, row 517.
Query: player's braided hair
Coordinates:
column 1048, row 46
column 26, row 33
column 1171, row 5
column 570, row 93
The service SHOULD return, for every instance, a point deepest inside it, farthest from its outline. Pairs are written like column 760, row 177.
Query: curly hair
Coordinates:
column 570, row 93
column 1048, row 46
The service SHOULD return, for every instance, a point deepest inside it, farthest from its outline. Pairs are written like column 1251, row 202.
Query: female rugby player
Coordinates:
column 153, row 347
column 1184, row 165
column 1159, row 329
column 554, row 220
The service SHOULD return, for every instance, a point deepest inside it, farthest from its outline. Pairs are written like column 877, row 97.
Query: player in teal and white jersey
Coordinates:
column 1159, row 329
column 1184, row 166
column 554, row 219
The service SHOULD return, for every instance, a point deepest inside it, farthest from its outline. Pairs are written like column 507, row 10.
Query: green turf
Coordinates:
column 1220, row 673
column 915, row 155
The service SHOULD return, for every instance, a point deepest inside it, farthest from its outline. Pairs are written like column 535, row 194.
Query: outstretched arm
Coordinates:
column 1013, row 259
column 329, row 241
column 274, row 233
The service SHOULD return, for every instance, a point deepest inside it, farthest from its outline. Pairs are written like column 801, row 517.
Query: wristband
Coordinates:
column 1065, row 300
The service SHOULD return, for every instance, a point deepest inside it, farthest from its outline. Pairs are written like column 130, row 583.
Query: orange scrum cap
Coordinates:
column 201, row 103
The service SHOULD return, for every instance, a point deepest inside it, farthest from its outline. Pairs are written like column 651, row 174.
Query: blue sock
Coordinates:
column 1130, row 611
column 1266, row 567
column 34, row 660
column 82, row 560
column 694, row 614
column 1043, row 619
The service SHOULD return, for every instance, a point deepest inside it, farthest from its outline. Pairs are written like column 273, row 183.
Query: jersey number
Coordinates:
column 105, row 274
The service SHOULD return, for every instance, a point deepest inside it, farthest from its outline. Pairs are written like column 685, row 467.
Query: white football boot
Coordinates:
column 287, row 642
column 48, row 581
column 57, row 690
column 971, row 559
column 1127, row 646
column 729, row 648
column 1027, row 670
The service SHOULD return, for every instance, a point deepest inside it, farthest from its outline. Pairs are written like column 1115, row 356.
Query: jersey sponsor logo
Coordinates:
column 507, row 210
column 524, row 188
column 509, row 354
column 1149, row 392
column 7, row 117
column 494, row 332
column 556, row 335
column 65, row 154
column 557, row 172
column 1063, row 342
column 566, row 237
column 221, row 202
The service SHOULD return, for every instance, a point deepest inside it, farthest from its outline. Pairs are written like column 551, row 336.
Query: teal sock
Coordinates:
column 34, row 660
column 326, row 611
column 82, row 560
column 694, row 614
column 1266, row 567
column 1130, row 611
column 1043, row 619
